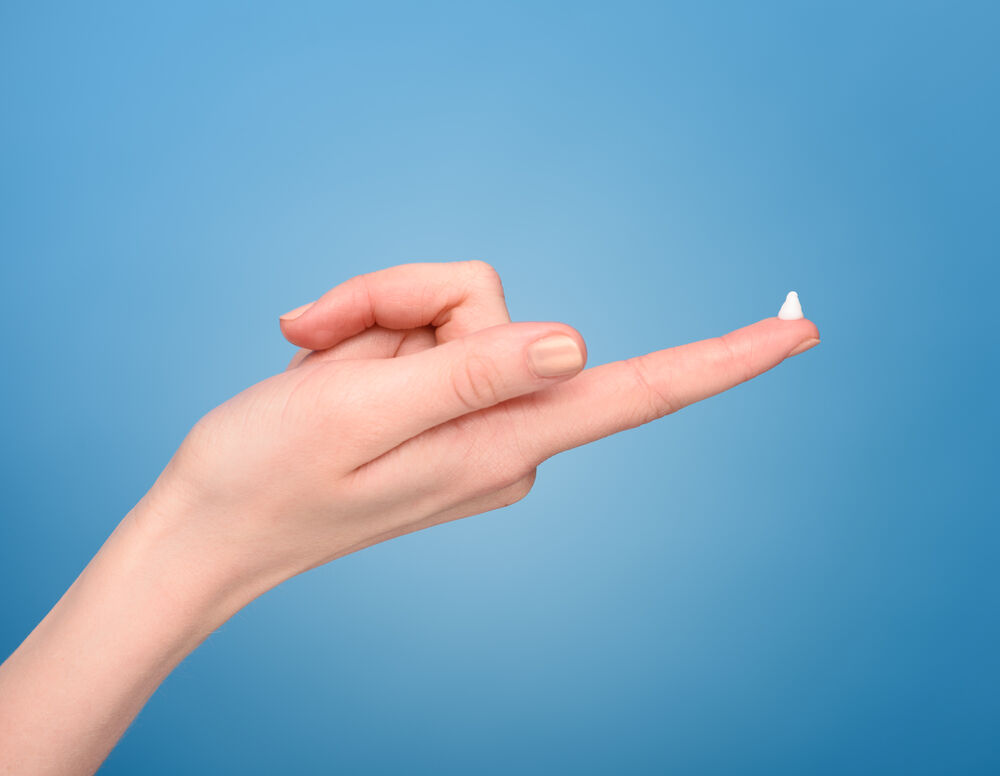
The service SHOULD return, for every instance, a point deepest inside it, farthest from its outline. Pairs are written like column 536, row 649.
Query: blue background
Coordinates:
column 799, row 576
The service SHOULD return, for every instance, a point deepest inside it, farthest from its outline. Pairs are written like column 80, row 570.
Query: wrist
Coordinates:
column 184, row 555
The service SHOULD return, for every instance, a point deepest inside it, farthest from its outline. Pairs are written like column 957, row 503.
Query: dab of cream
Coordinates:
column 791, row 310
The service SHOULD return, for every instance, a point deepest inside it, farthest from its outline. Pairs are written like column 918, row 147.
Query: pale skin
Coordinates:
column 412, row 401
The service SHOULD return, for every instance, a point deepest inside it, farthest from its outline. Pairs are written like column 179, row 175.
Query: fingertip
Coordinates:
column 555, row 355
column 808, row 329
column 562, row 337
column 309, row 327
column 287, row 326
column 304, row 336
column 802, row 347
column 798, row 327
column 293, row 315
column 800, row 333
column 576, row 336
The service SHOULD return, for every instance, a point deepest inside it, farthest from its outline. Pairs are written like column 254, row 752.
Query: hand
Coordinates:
column 413, row 402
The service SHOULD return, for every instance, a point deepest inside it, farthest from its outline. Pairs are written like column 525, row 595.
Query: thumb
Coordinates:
column 413, row 393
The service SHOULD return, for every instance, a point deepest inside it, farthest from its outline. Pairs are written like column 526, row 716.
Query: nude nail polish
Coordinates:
column 554, row 356
column 803, row 346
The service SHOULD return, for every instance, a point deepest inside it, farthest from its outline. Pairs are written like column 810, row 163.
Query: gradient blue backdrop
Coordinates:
column 799, row 576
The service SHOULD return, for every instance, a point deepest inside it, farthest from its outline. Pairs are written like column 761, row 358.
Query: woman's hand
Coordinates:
column 414, row 401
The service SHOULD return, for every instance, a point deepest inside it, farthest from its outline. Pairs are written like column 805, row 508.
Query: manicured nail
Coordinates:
column 554, row 356
column 802, row 347
column 291, row 316
column 791, row 310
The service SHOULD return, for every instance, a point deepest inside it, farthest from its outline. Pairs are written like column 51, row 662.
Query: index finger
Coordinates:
column 457, row 298
column 614, row 397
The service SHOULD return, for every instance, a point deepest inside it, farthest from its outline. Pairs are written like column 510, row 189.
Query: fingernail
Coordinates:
column 291, row 316
column 803, row 346
column 791, row 310
column 554, row 356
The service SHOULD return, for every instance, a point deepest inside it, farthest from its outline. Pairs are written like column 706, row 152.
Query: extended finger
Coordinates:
column 411, row 394
column 625, row 394
column 491, row 449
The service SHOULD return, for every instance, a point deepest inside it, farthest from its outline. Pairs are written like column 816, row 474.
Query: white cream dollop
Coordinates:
column 791, row 310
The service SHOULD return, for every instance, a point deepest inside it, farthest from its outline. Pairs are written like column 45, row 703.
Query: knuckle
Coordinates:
column 361, row 296
column 512, row 469
column 484, row 272
column 493, row 461
column 652, row 400
column 508, row 482
column 520, row 489
column 477, row 382
column 741, row 361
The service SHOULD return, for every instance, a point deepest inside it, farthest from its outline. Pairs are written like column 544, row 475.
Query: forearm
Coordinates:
column 144, row 602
